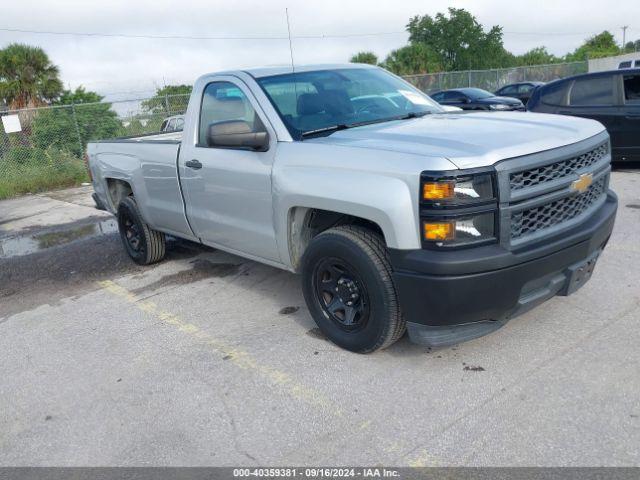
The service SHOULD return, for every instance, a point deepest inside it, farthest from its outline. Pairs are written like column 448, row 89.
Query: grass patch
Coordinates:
column 48, row 170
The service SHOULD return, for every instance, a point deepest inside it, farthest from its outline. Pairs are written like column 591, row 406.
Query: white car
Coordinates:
column 172, row 124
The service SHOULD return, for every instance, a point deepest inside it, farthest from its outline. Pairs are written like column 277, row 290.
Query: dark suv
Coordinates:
column 612, row 98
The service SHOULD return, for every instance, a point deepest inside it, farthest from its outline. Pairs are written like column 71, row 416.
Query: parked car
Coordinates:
column 612, row 98
column 476, row 99
column 522, row 91
column 172, row 124
column 396, row 215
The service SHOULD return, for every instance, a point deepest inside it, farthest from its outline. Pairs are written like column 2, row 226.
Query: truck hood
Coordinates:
column 469, row 140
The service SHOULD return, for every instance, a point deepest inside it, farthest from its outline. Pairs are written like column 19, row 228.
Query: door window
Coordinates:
column 592, row 91
column 510, row 90
column 222, row 102
column 632, row 89
column 525, row 88
column 555, row 93
column 454, row 97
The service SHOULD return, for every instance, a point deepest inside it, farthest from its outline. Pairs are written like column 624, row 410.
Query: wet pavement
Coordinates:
column 211, row 359
column 27, row 243
column 44, row 262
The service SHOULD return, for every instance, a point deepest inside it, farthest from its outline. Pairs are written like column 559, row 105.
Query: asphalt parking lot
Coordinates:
column 210, row 359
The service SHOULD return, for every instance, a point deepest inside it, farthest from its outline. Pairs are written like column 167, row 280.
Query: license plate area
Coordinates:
column 579, row 274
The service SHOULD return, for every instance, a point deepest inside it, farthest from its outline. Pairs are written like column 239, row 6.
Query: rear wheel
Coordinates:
column 143, row 244
column 349, row 289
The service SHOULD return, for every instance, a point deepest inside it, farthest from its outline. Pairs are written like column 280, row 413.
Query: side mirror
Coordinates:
column 237, row 134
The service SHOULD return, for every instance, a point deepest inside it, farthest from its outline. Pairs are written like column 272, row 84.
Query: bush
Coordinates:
column 57, row 126
column 21, row 155
column 31, row 170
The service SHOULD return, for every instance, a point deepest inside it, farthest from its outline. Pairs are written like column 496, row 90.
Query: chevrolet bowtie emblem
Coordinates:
column 582, row 183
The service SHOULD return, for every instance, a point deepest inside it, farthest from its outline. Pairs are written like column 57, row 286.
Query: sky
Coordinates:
column 126, row 68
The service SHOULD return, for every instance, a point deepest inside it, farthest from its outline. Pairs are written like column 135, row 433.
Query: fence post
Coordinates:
column 469, row 77
column 166, row 104
column 75, row 122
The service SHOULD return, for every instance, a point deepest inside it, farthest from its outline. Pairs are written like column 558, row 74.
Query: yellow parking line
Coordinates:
column 237, row 357
column 245, row 361
column 423, row 459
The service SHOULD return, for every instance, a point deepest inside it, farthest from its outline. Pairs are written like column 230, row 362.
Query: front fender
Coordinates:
column 388, row 202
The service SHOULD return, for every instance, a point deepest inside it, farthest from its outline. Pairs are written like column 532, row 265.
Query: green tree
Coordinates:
column 536, row 56
column 601, row 45
column 78, row 96
column 459, row 40
column 365, row 57
column 168, row 100
column 632, row 46
column 75, row 119
column 27, row 77
column 412, row 59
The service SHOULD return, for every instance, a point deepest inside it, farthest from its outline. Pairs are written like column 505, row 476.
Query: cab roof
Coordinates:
column 260, row 72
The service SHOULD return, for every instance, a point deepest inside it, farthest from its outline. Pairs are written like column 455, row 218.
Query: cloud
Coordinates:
column 129, row 68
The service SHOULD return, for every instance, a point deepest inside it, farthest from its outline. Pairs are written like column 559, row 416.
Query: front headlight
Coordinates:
column 459, row 231
column 499, row 106
column 458, row 208
column 457, row 190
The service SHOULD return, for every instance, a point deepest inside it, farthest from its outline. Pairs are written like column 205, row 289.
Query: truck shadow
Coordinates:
column 45, row 266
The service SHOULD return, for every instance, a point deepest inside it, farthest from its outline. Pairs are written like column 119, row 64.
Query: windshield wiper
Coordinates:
column 331, row 129
column 343, row 126
column 412, row 115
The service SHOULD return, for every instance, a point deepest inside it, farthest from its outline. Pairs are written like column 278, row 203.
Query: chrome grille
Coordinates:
column 553, row 213
column 546, row 173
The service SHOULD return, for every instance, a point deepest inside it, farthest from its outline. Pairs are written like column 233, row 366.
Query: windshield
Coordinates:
column 477, row 93
column 319, row 100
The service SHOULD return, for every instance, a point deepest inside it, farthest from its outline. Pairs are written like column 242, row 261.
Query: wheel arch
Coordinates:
column 305, row 223
column 117, row 190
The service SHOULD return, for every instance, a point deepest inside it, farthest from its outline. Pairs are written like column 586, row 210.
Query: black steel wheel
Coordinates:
column 341, row 294
column 143, row 244
column 348, row 287
column 132, row 235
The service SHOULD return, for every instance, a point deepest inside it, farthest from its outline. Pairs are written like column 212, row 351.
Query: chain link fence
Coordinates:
column 492, row 80
column 43, row 148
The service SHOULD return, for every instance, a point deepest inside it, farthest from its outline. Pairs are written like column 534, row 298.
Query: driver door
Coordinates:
column 228, row 190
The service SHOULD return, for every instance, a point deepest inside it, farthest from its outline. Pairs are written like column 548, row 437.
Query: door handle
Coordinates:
column 632, row 117
column 195, row 164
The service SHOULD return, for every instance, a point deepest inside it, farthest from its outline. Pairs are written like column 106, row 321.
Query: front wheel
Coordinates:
column 349, row 289
column 143, row 244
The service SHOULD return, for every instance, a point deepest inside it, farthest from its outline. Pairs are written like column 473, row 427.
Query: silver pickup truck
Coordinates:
column 398, row 216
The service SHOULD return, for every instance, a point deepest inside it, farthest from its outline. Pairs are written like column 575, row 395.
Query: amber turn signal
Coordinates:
column 437, row 190
column 439, row 231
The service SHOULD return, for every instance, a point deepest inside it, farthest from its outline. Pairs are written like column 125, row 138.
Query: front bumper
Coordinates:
column 455, row 296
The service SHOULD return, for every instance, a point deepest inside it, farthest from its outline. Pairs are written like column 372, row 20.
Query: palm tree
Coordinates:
column 27, row 77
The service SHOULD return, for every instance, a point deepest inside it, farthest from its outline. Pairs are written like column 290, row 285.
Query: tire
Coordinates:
column 358, row 257
column 143, row 244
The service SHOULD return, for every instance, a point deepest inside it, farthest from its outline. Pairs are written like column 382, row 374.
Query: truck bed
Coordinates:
column 149, row 164
column 170, row 137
